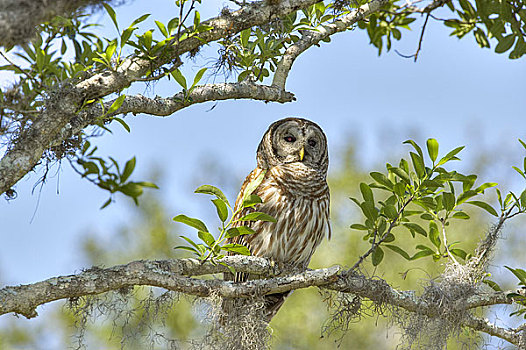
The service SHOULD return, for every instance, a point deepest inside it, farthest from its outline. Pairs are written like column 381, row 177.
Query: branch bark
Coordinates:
column 159, row 106
column 175, row 275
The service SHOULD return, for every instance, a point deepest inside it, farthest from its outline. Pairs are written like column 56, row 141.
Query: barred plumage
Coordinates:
column 293, row 154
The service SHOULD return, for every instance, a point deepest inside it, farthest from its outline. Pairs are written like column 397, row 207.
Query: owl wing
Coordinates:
column 253, row 176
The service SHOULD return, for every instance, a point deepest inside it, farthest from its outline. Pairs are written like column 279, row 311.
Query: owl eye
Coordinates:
column 289, row 138
column 312, row 142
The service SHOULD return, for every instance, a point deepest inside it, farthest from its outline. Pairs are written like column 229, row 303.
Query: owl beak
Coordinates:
column 302, row 153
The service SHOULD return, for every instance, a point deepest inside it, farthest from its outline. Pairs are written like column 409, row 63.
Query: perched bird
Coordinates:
column 293, row 158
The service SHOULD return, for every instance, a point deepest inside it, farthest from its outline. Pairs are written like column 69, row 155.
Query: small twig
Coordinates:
column 442, row 221
column 421, row 37
column 19, row 68
column 374, row 244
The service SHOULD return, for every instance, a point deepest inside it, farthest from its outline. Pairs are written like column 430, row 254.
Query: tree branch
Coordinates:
column 167, row 106
column 63, row 102
column 312, row 37
column 174, row 275
column 483, row 325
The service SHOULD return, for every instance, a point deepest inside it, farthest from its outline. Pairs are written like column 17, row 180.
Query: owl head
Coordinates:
column 292, row 140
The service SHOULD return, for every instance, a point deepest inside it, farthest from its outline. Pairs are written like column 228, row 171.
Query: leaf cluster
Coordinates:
column 421, row 197
column 232, row 224
column 503, row 20
column 108, row 175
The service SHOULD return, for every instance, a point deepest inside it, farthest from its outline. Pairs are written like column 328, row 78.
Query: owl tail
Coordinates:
column 273, row 303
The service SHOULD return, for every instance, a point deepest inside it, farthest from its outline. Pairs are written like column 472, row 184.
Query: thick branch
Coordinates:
column 166, row 106
column 168, row 274
column 173, row 275
column 483, row 325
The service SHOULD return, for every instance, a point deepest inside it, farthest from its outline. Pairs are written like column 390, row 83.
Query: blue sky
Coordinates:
column 456, row 92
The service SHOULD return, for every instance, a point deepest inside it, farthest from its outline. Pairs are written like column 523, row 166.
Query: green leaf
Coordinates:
column 398, row 250
column 399, row 189
column 140, row 19
column 131, row 189
column 111, row 13
column 369, row 210
column 198, row 76
column 426, row 216
column 432, row 149
column 459, row 252
column 116, row 104
column 123, row 123
column 128, row 169
column 222, row 211
column 484, row 206
column 401, row 174
column 523, row 199
column 195, row 223
column 367, row 193
column 108, row 202
column 211, row 190
column 90, row 168
column 434, row 235
column 184, row 247
column 378, row 256
column 359, row 227
column 448, row 199
column 179, row 78
column 390, row 211
column 422, row 254
column 424, row 251
column 382, row 179
column 147, row 184
column 230, row 268
column 162, row 28
column 192, row 243
column 238, row 231
column 461, row 215
column 252, row 200
column 451, row 155
column 521, row 173
column 236, row 248
column 126, row 35
column 418, row 164
column 466, row 195
column 206, row 237
column 244, row 36
column 493, row 285
column 519, row 273
column 257, row 216
column 253, row 185
column 417, row 147
column 484, row 186
column 414, row 227
column 505, row 43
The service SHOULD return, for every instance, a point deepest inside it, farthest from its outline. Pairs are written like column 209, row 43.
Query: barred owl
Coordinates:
column 294, row 158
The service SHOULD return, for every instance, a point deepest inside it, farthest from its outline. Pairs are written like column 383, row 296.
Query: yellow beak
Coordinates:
column 302, row 153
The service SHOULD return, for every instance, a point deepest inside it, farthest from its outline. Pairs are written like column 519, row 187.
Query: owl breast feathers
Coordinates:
column 294, row 159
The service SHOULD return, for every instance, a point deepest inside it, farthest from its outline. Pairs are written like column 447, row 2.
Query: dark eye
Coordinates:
column 312, row 142
column 290, row 138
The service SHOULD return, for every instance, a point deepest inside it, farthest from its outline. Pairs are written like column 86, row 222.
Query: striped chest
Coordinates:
column 298, row 198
